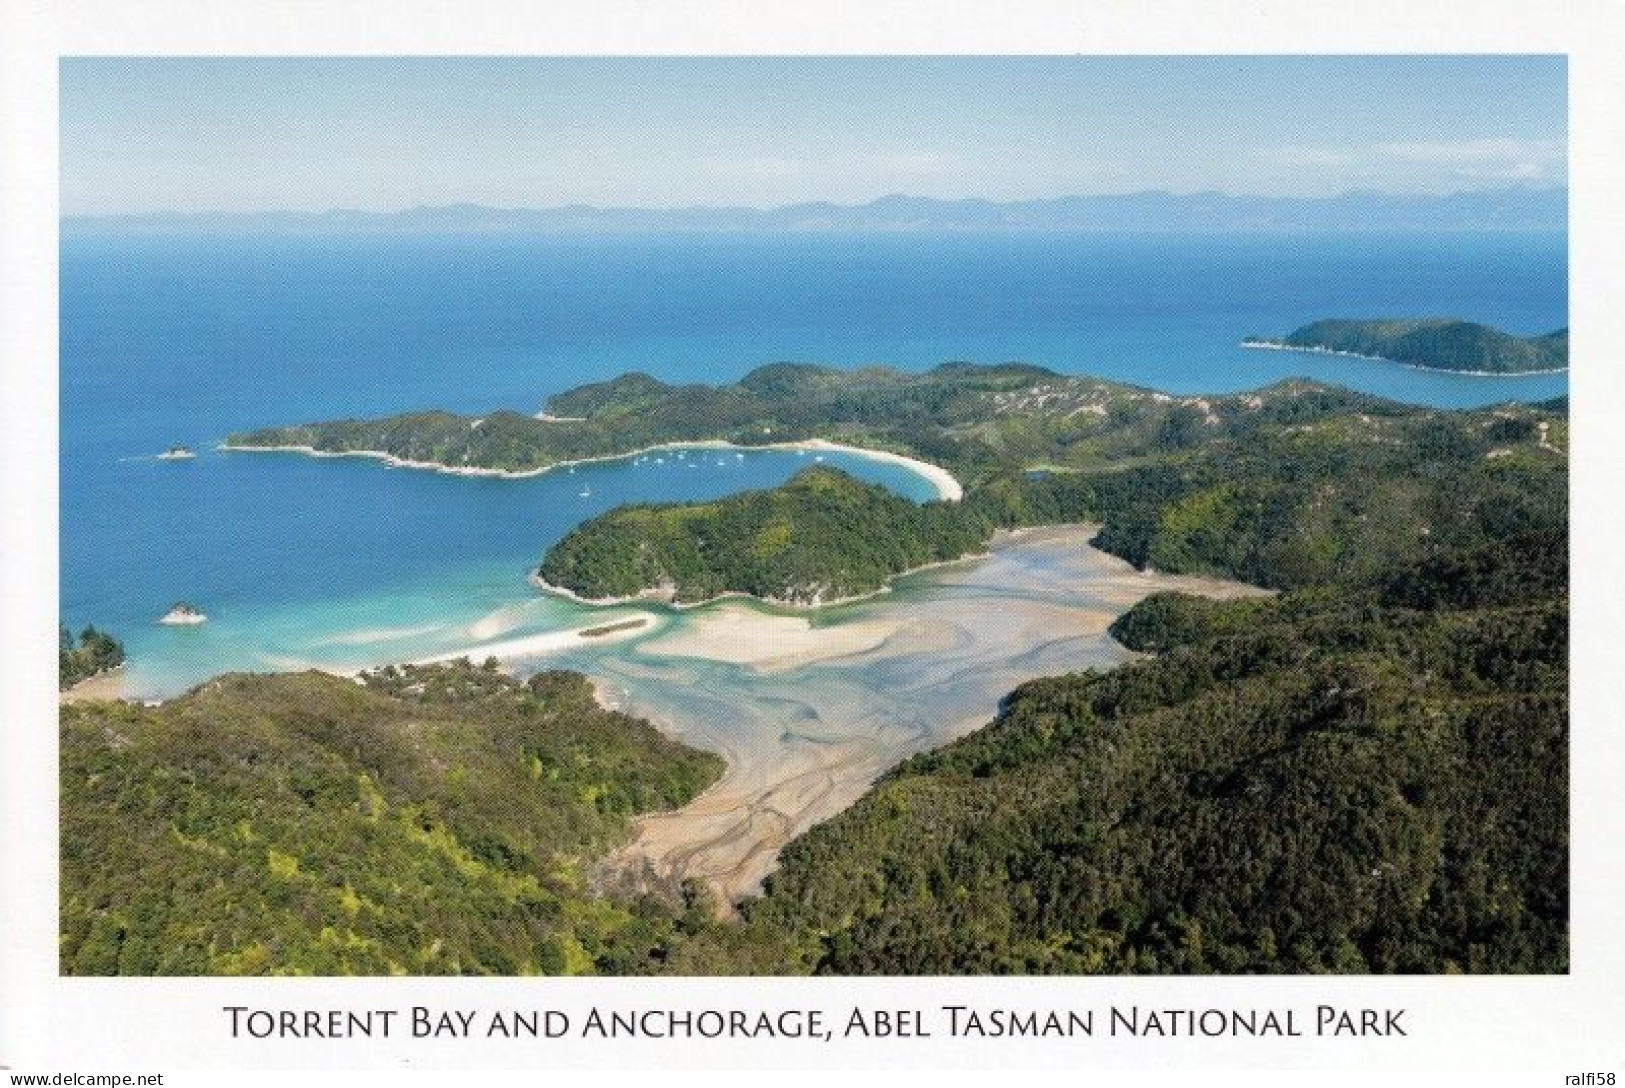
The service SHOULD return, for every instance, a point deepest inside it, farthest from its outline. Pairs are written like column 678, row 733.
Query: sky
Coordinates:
column 314, row 134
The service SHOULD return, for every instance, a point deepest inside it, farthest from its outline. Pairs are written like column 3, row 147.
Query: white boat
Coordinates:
column 586, row 492
column 177, row 453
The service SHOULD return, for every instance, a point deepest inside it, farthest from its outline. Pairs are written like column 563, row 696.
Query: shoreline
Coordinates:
column 799, row 750
column 546, row 642
column 105, row 685
column 947, row 486
column 651, row 597
column 1279, row 345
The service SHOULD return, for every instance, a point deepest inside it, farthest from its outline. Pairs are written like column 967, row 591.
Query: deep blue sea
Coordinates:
column 347, row 562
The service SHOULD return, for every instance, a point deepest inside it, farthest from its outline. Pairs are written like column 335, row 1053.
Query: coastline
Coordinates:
column 505, row 650
column 653, row 596
column 1279, row 345
column 946, row 484
column 892, row 679
column 547, row 642
column 105, row 685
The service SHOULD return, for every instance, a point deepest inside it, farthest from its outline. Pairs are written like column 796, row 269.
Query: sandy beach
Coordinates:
column 106, row 685
column 608, row 629
column 947, row 486
column 807, row 716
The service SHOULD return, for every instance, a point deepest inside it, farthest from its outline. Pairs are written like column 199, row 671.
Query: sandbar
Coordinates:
column 741, row 635
column 615, row 629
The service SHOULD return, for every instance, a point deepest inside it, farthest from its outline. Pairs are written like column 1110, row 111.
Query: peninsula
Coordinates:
column 1429, row 343
column 1286, row 486
column 821, row 537
column 959, row 418
column 772, row 407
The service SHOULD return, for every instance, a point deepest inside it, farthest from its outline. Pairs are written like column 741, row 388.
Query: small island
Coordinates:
column 1429, row 343
column 182, row 614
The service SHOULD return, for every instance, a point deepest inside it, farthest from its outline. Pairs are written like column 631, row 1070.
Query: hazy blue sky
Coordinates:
column 314, row 134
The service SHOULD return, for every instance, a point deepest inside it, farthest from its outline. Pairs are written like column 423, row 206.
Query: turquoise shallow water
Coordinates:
column 356, row 563
column 348, row 562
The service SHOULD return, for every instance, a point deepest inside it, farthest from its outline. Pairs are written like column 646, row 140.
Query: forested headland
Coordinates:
column 1298, row 484
column 823, row 536
column 1439, row 343
column 428, row 820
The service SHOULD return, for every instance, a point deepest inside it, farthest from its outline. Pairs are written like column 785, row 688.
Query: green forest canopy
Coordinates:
column 429, row 820
column 1441, row 343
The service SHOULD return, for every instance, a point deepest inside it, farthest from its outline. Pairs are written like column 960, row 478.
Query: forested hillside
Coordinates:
column 1361, row 779
column 971, row 419
column 1301, row 485
column 92, row 653
column 436, row 820
column 820, row 537
column 1436, row 343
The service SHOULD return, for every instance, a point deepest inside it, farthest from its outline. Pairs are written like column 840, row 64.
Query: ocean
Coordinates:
column 345, row 563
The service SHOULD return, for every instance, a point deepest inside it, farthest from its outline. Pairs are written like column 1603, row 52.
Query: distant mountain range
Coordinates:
column 1511, row 209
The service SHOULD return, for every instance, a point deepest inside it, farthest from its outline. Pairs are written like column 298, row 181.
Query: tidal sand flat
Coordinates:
column 809, row 713
column 741, row 634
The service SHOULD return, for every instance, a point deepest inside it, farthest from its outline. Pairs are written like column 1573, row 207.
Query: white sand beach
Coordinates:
column 104, row 685
column 948, row 488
